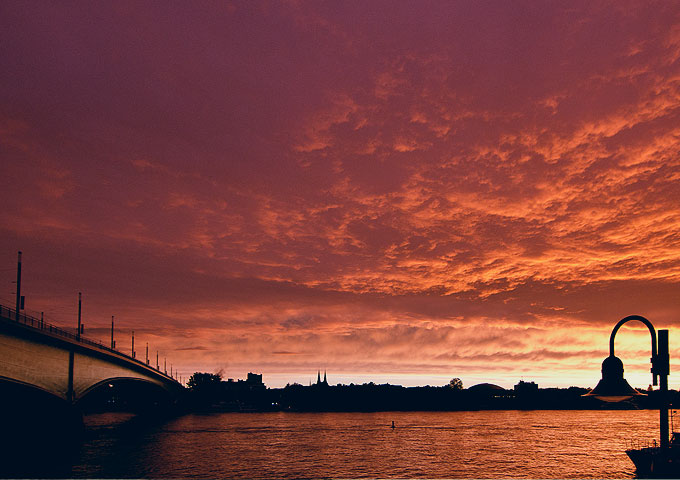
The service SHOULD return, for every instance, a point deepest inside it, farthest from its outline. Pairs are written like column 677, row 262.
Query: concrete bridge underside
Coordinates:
column 66, row 368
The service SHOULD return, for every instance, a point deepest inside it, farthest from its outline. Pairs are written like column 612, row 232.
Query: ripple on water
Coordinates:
column 503, row 444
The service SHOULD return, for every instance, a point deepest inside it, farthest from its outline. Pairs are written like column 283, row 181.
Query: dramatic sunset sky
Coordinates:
column 397, row 191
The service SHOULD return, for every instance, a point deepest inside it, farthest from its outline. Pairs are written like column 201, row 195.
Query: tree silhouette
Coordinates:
column 204, row 381
column 456, row 384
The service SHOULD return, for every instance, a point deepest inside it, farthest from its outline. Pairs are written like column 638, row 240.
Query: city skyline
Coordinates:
column 396, row 192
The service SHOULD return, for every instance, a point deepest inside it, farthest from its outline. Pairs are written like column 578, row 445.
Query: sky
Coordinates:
column 399, row 192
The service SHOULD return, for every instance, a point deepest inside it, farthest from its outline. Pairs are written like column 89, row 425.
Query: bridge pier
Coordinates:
column 70, row 397
column 40, row 432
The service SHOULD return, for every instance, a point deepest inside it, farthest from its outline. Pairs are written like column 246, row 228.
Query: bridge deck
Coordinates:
column 35, row 326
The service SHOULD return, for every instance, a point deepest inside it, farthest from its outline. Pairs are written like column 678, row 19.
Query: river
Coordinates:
column 482, row 444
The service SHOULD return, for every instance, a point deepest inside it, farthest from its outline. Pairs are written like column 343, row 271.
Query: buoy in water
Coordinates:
column 393, row 424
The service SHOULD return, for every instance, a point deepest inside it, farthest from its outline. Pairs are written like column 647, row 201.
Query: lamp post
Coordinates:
column 614, row 388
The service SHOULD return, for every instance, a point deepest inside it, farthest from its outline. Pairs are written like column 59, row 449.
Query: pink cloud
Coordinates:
column 328, row 183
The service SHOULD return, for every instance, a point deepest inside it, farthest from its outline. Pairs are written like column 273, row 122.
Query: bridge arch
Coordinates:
column 125, row 393
column 11, row 384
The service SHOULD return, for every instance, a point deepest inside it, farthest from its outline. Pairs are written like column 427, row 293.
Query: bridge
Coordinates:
column 45, row 358
column 50, row 376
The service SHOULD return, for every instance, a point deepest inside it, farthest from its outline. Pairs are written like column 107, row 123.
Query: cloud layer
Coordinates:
column 381, row 190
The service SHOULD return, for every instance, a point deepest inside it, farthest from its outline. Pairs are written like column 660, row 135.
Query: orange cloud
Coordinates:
column 376, row 191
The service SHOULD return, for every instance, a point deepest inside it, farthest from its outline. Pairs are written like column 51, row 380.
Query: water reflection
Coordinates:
column 491, row 444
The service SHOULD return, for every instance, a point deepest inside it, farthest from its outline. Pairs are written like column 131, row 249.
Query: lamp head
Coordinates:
column 613, row 387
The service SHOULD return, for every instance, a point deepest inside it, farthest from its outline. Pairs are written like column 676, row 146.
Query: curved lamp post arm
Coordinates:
column 652, row 333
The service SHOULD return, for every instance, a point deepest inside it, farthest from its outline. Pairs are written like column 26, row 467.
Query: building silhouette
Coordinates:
column 319, row 382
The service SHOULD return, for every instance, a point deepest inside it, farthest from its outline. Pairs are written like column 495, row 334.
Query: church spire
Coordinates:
column 325, row 382
column 318, row 377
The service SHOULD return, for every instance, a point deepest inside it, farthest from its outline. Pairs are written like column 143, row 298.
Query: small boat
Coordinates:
column 657, row 461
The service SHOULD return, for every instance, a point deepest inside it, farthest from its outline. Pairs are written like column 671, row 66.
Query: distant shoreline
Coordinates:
column 371, row 398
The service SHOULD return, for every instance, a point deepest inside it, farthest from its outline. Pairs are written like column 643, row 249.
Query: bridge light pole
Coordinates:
column 133, row 344
column 157, row 360
column 18, row 304
column 147, row 353
column 80, row 304
column 113, row 343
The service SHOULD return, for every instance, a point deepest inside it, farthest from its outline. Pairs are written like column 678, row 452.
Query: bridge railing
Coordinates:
column 40, row 324
column 43, row 325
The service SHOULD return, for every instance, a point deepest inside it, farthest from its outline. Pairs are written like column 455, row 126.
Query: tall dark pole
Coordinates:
column 18, row 306
column 133, row 344
column 147, row 353
column 113, row 344
column 157, row 360
column 663, row 369
column 80, row 305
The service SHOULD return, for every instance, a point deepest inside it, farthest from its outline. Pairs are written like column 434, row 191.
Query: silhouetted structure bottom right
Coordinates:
column 657, row 461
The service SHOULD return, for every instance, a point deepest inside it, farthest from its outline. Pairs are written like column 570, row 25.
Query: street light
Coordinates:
column 614, row 388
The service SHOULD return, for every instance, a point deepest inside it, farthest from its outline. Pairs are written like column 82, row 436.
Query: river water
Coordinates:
column 484, row 444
